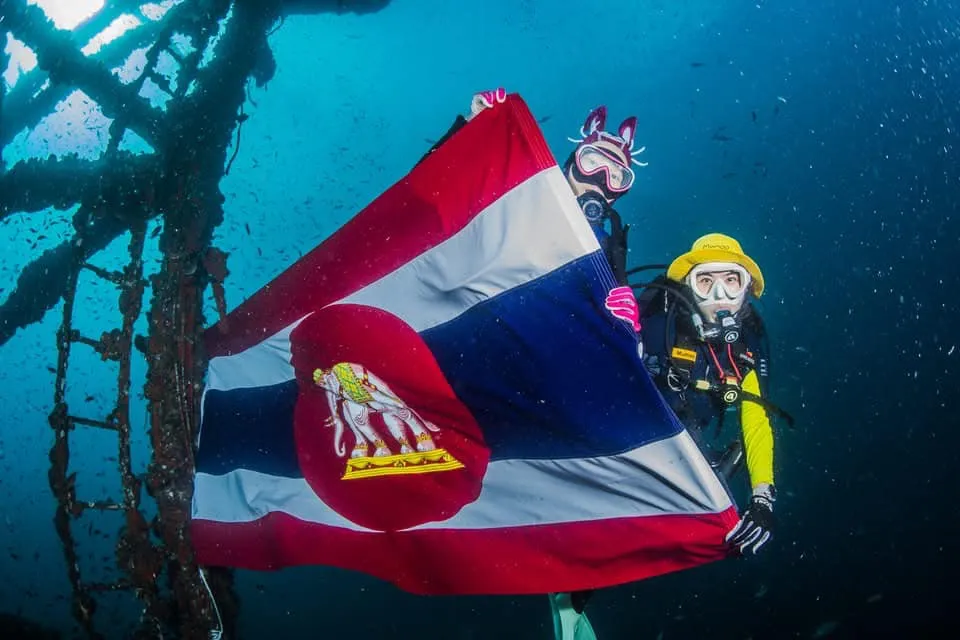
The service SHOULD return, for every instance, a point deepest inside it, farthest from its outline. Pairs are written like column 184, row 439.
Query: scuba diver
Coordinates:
column 599, row 173
column 705, row 347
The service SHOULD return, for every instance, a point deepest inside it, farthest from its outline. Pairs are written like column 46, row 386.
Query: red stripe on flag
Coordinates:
column 495, row 152
column 518, row 560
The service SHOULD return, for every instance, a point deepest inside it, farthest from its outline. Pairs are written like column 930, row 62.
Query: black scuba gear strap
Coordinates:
column 617, row 247
column 769, row 406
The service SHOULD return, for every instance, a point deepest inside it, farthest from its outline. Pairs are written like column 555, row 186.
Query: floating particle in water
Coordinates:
column 825, row 629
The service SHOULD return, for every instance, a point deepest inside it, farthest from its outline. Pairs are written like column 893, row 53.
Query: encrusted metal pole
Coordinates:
column 63, row 485
column 136, row 555
column 194, row 162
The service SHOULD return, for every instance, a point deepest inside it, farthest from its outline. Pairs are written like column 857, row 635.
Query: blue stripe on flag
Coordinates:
column 249, row 428
column 543, row 368
column 548, row 373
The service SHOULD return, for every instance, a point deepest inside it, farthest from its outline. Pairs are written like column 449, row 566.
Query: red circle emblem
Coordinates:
column 381, row 437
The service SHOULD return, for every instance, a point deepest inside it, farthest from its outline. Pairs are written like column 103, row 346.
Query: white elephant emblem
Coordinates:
column 359, row 393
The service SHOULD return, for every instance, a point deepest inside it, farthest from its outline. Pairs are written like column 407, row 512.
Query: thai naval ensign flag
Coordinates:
column 437, row 396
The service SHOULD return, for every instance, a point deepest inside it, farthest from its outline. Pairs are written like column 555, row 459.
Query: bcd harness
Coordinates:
column 726, row 385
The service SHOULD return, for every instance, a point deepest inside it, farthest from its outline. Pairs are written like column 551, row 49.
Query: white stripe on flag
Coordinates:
column 534, row 229
column 265, row 364
column 666, row 477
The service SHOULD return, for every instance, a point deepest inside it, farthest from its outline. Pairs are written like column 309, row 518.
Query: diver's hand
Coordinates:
column 623, row 305
column 756, row 526
column 486, row 100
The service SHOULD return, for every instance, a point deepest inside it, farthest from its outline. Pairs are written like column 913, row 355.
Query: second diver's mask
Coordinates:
column 602, row 159
column 720, row 289
column 601, row 167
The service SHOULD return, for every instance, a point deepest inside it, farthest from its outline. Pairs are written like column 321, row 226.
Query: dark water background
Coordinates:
column 823, row 135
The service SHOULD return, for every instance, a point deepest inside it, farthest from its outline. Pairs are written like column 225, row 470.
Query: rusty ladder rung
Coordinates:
column 87, row 422
column 99, row 505
column 90, row 342
column 113, row 276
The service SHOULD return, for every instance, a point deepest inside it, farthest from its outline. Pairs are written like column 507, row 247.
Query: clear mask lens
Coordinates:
column 719, row 282
column 592, row 160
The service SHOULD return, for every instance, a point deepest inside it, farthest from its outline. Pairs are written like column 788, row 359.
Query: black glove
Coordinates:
column 756, row 525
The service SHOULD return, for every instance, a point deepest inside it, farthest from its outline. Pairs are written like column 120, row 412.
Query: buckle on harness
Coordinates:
column 728, row 391
column 678, row 379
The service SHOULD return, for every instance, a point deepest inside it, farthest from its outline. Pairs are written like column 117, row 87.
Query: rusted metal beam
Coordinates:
column 28, row 102
column 60, row 57
column 114, row 184
column 42, row 283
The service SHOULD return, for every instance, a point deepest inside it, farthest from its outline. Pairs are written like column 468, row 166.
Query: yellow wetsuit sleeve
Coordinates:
column 757, row 435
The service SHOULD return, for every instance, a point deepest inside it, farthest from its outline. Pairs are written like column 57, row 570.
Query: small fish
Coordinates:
column 753, row 116
column 156, row 232
column 545, row 119
column 782, row 99
column 247, row 227
column 430, row 141
column 719, row 137
column 696, row 65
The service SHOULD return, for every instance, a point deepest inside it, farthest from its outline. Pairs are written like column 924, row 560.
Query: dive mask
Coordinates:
column 719, row 283
column 593, row 160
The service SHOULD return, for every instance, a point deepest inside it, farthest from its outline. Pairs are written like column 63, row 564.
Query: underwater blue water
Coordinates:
column 822, row 135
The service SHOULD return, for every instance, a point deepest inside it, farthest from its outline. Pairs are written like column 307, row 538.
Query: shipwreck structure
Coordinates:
column 117, row 195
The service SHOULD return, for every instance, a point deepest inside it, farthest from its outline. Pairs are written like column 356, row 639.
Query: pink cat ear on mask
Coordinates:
column 628, row 129
column 595, row 122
